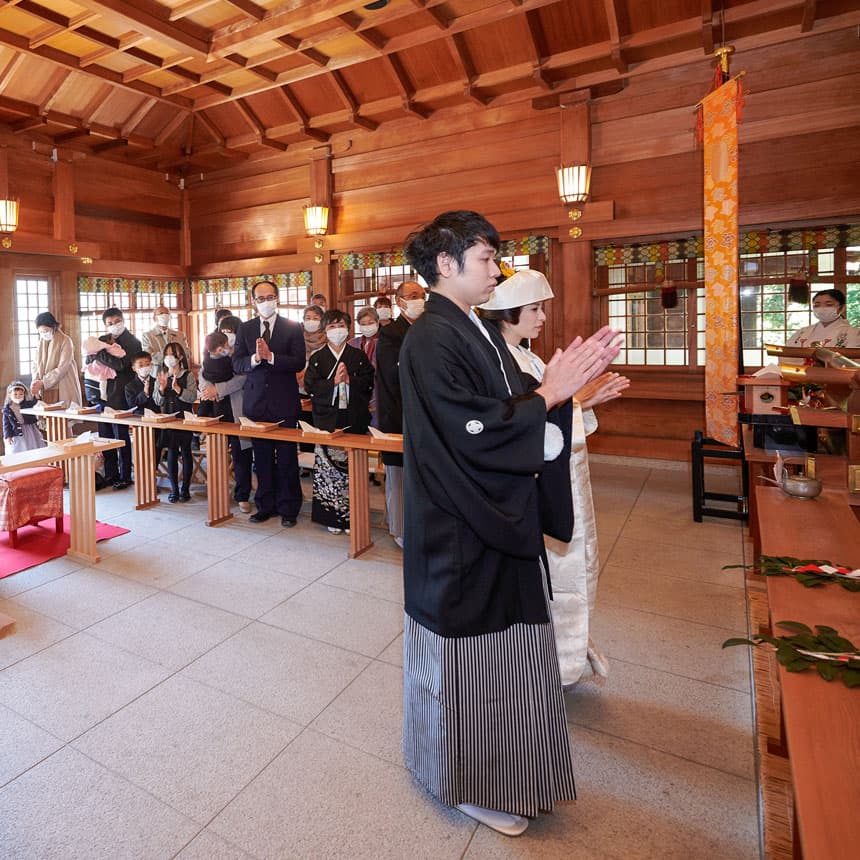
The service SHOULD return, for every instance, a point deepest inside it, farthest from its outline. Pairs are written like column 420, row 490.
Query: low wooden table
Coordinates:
column 80, row 461
column 821, row 720
column 218, row 464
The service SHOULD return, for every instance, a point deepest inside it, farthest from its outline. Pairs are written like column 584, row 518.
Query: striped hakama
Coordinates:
column 484, row 720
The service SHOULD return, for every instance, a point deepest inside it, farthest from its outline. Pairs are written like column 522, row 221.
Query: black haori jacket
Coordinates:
column 473, row 535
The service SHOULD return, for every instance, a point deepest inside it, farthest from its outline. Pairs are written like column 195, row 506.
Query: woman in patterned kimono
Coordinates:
column 339, row 381
column 516, row 310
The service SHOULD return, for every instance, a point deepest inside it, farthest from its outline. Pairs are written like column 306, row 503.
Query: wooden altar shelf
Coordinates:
column 807, row 729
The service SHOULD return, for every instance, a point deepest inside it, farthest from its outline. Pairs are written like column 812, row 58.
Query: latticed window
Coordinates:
column 137, row 298
column 629, row 280
column 209, row 294
column 31, row 298
column 366, row 277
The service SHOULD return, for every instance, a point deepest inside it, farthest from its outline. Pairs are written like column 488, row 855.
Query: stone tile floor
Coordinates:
column 235, row 693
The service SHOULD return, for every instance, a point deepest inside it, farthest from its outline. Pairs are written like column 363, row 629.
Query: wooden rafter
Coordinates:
column 9, row 70
column 369, row 36
column 119, row 143
column 808, row 20
column 138, row 116
column 301, row 117
column 172, row 125
column 210, row 126
column 91, row 108
column 53, row 89
column 611, row 9
column 183, row 10
column 461, row 56
column 21, row 43
column 258, row 125
column 251, row 9
column 352, row 105
column 294, row 44
column 404, row 85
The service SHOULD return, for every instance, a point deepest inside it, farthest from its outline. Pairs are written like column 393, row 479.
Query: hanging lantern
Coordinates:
column 574, row 183
column 316, row 220
column 8, row 216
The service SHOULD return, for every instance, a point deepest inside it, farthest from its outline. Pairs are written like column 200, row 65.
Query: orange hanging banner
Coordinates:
column 719, row 116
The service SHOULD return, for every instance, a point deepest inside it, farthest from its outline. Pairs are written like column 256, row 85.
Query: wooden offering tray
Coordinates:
column 155, row 418
column 82, row 410
column 50, row 407
column 262, row 426
column 200, row 422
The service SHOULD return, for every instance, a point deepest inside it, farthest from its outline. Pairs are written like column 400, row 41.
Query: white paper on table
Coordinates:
column 74, row 406
column 247, row 422
column 85, row 438
column 148, row 413
column 309, row 428
column 378, row 434
column 47, row 407
column 117, row 413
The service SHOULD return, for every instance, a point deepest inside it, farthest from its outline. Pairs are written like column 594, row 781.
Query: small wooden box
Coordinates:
column 763, row 394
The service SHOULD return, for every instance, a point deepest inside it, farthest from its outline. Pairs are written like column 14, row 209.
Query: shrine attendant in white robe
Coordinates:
column 484, row 727
column 339, row 381
column 831, row 329
column 516, row 308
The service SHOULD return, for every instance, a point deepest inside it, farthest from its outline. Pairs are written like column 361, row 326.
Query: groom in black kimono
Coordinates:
column 484, row 721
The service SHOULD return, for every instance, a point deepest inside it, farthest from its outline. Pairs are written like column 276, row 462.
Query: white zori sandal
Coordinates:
column 503, row 822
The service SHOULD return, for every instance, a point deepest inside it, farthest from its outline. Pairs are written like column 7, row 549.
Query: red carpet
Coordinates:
column 41, row 543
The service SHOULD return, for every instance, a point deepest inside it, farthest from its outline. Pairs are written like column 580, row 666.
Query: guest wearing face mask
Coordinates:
column 220, row 392
column 313, row 330
column 270, row 351
column 20, row 432
column 55, row 373
column 831, row 329
column 176, row 391
column 368, row 325
column 154, row 340
column 220, row 314
column 138, row 392
column 410, row 300
column 339, row 380
column 383, row 307
column 320, row 301
column 117, row 464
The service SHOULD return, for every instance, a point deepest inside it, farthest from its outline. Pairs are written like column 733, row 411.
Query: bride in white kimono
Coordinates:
column 516, row 308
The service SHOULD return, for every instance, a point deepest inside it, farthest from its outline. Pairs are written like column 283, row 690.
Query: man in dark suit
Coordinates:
column 270, row 350
column 410, row 300
column 117, row 463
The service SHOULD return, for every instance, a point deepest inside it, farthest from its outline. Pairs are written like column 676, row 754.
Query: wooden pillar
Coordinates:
column 185, row 230
column 321, row 195
column 64, row 201
column 573, row 281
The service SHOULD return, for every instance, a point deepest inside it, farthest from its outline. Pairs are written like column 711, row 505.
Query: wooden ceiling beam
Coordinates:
column 61, row 58
column 302, row 118
column 710, row 34
column 163, row 65
column 611, row 10
column 28, row 124
column 369, row 36
column 153, row 20
column 315, row 56
column 807, row 21
column 183, row 10
column 9, row 70
column 348, row 99
column 406, row 88
column 101, row 148
column 172, row 125
column 71, row 25
column 53, row 89
column 537, row 36
column 210, row 126
column 138, row 116
column 251, row 9
column 69, row 136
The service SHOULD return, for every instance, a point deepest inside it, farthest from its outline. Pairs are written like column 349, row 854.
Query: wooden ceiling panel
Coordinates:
column 431, row 64
column 503, row 43
column 304, row 69
column 646, row 16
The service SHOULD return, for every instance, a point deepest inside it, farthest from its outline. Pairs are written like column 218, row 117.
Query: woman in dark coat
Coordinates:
column 339, row 381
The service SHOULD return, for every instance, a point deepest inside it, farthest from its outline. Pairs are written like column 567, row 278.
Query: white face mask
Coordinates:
column 384, row 313
column 18, row 398
column 267, row 309
column 116, row 329
column 414, row 308
column 337, row 336
column 369, row 330
column 231, row 338
column 312, row 326
column 170, row 361
column 825, row 314
column 144, row 373
column 163, row 320
column 46, row 335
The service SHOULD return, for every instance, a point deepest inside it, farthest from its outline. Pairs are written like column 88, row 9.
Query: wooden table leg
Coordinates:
column 145, row 491
column 359, row 503
column 82, row 508
column 217, row 479
column 56, row 429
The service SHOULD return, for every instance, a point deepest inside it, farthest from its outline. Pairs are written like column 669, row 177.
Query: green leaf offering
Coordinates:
column 810, row 573
column 833, row 656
